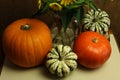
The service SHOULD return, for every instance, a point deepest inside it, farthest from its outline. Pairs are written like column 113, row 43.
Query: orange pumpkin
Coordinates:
column 26, row 42
column 92, row 48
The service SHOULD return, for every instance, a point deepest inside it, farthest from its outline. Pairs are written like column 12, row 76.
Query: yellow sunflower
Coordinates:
column 67, row 2
column 55, row 6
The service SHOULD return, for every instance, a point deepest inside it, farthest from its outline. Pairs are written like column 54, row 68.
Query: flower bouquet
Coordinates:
column 73, row 16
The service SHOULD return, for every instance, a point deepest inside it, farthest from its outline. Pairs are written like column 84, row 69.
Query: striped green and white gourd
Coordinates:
column 97, row 21
column 61, row 60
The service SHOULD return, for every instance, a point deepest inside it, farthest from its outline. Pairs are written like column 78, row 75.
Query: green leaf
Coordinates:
column 79, row 13
column 66, row 16
column 91, row 4
column 77, row 4
column 43, row 10
column 51, row 1
column 80, row 1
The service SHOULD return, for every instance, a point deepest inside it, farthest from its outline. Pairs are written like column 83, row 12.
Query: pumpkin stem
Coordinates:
column 95, row 40
column 25, row 27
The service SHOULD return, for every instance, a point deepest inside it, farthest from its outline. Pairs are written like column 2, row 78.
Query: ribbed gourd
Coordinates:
column 98, row 21
column 61, row 60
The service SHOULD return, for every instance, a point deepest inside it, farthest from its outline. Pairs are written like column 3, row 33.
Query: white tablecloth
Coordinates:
column 109, row 71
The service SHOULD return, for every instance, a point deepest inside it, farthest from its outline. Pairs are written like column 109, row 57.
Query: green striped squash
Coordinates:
column 61, row 60
column 97, row 21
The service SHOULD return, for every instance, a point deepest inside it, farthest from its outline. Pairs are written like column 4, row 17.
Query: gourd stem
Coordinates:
column 25, row 27
column 95, row 40
column 95, row 20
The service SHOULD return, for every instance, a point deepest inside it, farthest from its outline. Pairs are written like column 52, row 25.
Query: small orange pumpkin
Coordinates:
column 92, row 48
column 26, row 42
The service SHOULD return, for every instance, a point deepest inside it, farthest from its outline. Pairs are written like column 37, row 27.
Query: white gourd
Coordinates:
column 97, row 21
column 61, row 61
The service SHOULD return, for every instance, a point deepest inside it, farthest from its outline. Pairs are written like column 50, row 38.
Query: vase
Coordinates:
column 65, row 37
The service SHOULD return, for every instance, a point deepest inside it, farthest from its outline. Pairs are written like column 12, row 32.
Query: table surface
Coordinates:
column 109, row 71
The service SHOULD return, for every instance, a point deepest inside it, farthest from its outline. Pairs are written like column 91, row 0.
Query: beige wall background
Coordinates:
column 10, row 10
